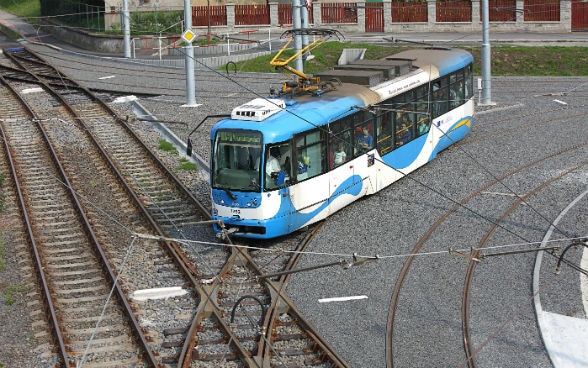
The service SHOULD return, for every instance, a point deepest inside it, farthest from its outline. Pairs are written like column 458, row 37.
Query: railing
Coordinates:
column 579, row 15
column 501, row 11
column 285, row 14
column 339, row 12
column 541, row 10
column 247, row 15
column 454, row 11
column 406, row 12
column 218, row 16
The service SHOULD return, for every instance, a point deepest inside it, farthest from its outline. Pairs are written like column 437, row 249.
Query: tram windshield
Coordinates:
column 236, row 160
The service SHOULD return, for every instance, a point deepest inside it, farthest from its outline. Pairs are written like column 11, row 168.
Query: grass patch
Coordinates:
column 187, row 165
column 11, row 291
column 167, row 147
column 535, row 61
column 11, row 35
column 505, row 60
column 22, row 8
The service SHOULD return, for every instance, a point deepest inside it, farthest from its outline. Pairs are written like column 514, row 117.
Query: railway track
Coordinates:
column 76, row 281
column 212, row 325
column 498, row 222
column 478, row 253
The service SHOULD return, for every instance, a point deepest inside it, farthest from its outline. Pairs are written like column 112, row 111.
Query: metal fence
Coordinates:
column 405, row 12
column 391, row 16
column 257, row 14
column 454, row 11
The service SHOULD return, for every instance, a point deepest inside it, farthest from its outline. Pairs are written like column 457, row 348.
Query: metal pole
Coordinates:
column 190, row 83
column 486, row 58
column 304, row 22
column 298, row 65
column 126, row 29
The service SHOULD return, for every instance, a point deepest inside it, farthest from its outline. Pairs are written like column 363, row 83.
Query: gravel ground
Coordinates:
column 389, row 224
column 357, row 329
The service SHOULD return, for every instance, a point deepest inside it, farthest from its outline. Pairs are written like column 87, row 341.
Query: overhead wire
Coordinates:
column 353, row 254
column 385, row 256
column 399, row 171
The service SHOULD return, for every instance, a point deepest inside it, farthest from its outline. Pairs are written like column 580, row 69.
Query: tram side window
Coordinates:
column 340, row 143
column 439, row 99
column 468, row 82
column 385, row 141
column 455, row 95
column 310, row 155
column 422, row 119
column 364, row 139
column 404, row 123
column 278, row 165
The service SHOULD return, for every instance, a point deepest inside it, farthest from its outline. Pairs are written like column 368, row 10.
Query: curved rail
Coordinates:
column 477, row 254
column 406, row 266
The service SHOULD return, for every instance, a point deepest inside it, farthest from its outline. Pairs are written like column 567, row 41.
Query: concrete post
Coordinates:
column 476, row 23
column 387, row 16
column 431, row 14
column 361, row 16
column 316, row 13
column 230, row 17
column 274, row 14
column 565, row 15
column 520, row 14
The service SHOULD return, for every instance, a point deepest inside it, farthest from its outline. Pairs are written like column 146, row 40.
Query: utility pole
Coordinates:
column 189, row 63
column 486, row 58
column 126, row 29
column 296, row 24
column 304, row 8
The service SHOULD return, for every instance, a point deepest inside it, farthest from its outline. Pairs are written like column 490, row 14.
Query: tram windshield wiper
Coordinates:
column 230, row 194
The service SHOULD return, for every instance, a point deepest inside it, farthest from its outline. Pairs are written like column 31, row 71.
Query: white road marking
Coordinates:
column 342, row 299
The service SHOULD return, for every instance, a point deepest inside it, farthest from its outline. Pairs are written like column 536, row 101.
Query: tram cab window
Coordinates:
column 234, row 160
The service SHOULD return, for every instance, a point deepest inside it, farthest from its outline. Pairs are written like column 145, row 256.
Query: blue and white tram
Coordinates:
column 280, row 164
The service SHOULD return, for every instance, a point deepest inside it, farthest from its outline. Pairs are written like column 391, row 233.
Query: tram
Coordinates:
column 281, row 163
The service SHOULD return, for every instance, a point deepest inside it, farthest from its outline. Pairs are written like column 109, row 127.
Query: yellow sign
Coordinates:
column 188, row 36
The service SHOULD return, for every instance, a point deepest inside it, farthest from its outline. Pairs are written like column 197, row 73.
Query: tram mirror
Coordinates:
column 189, row 148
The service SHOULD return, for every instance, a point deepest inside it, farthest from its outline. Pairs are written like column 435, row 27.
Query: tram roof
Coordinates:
column 306, row 112
column 445, row 60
